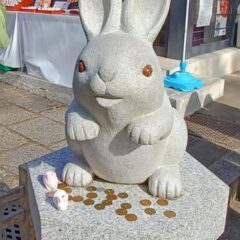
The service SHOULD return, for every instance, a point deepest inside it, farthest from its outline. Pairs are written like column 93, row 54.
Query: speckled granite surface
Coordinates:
column 201, row 210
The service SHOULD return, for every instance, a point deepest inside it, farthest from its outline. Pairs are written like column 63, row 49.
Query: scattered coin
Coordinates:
column 131, row 217
column 91, row 189
column 88, row 202
column 126, row 205
column 111, row 197
column 162, row 202
column 91, row 195
column 67, row 190
column 62, row 185
column 170, row 214
column 150, row 211
column 99, row 206
column 77, row 198
column 107, row 202
column 121, row 212
column 70, row 197
column 145, row 202
column 109, row 191
column 123, row 195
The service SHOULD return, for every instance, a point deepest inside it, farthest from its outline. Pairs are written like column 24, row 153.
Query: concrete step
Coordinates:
column 215, row 64
column 38, row 86
column 185, row 103
column 188, row 103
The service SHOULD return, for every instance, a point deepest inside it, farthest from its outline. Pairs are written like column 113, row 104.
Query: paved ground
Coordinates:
column 32, row 126
column 224, row 150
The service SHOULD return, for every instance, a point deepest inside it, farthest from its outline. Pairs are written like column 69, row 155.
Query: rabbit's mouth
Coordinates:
column 107, row 102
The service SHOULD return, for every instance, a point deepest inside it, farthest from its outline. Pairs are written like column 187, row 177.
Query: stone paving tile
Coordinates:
column 232, row 231
column 56, row 114
column 10, row 140
column 41, row 130
column 59, row 145
column 4, row 171
column 8, row 177
column 207, row 152
column 35, row 103
column 3, row 104
column 12, row 181
column 4, row 86
column 226, row 170
column 13, row 94
column 3, row 187
column 13, row 158
column 12, row 114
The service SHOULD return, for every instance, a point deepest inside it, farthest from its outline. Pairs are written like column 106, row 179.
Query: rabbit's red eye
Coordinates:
column 147, row 71
column 82, row 67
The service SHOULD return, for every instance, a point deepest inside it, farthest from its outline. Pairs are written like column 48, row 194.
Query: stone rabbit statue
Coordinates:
column 121, row 125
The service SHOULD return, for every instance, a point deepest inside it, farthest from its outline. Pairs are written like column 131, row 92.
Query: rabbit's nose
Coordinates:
column 97, row 85
column 106, row 75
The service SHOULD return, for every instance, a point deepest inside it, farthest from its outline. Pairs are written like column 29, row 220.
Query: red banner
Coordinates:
column 224, row 7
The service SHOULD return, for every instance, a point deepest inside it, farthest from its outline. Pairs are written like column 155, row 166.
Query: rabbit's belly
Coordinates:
column 117, row 159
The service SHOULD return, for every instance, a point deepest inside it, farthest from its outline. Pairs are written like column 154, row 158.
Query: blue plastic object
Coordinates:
column 183, row 80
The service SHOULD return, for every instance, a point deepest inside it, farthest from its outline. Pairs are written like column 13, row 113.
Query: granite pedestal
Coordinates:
column 200, row 211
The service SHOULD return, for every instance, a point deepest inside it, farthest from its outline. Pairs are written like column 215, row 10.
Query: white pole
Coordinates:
column 185, row 32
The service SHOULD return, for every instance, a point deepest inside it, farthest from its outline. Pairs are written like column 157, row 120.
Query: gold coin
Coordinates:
column 91, row 195
column 170, row 214
column 126, row 205
column 88, row 202
column 109, row 191
column 162, row 202
column 91, row 189
column 145, row 202
column 150, row 211
column 70, row 197
column 111, row 197
column 77, row 198
column 99, row 206
column 131, row 217
column 107, row 202
column 122, row 195
column 121, row 212
column 62, row 185
column 67, row 190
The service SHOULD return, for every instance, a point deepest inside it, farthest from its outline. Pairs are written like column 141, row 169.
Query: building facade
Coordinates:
column 211, row 27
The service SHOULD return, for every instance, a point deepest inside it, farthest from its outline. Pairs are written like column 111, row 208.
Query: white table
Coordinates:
column 48, row 45
column 11, row 56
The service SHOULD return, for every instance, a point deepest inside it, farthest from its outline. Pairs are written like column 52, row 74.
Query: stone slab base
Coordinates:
column 200, row 211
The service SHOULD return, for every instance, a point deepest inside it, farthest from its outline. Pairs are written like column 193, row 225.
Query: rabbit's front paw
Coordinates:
column 79, row 129
column 74, row 175
column 143, row 133
column 166, row 182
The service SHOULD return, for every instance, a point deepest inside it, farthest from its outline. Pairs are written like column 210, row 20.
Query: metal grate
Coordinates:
column 192, row 141
column 215, row 130
column 13, row 232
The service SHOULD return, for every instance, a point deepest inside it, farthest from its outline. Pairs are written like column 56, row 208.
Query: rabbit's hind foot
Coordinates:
column 166, row 182
column 77, row 174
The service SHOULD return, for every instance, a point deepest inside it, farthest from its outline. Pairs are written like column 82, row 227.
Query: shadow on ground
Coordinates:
column 214, row 140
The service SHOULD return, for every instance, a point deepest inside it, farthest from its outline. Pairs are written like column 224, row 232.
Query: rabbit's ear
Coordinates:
column 144, row 18
column 100, row 16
